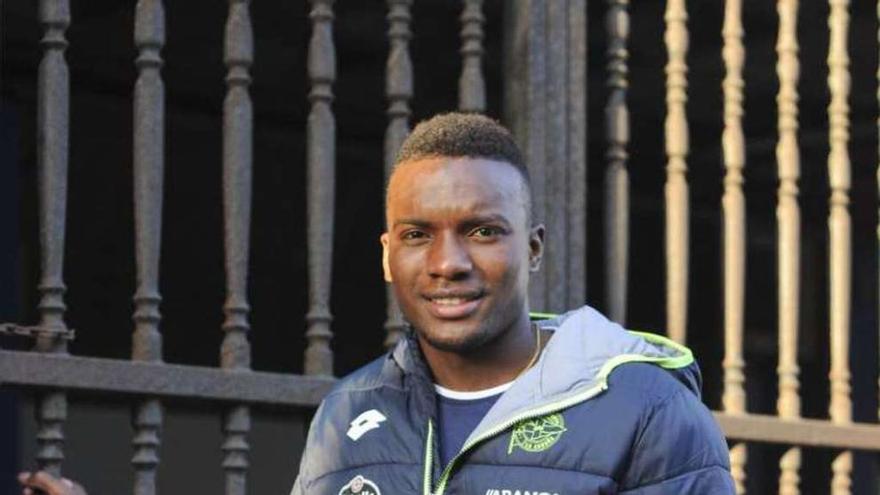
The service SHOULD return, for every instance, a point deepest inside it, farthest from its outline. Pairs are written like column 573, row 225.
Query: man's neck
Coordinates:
column 496, row 363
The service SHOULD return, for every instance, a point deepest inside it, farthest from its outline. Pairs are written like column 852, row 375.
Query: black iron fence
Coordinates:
column 545, row 105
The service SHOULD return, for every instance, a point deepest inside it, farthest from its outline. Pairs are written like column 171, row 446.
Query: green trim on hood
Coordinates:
column 685, row 358
column 534, row 316
column 685, row 355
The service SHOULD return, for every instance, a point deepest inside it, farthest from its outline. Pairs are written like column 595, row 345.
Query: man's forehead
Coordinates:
column 454, row 184
column 453, row 172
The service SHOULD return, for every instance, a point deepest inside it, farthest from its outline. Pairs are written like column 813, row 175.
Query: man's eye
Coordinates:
column 485, row 232
column 413, row 235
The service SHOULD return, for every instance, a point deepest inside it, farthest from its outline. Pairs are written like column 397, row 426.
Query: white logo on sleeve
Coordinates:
column 366, row 421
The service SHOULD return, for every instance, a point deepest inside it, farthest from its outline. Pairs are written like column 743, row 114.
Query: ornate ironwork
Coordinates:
column 321, row 183
column 139, row 378
column 734, row 208
column 237, row 173
column 676, row 38
column 471, row 86
column 149, row 139
column 617, row 176
column 839, row 229
column 53, row 121
column 236, row 425
column 147, row 438
column 789, row 225
column 398, row 91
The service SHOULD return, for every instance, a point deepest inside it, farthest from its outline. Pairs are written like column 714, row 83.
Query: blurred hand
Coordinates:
column 42, row 482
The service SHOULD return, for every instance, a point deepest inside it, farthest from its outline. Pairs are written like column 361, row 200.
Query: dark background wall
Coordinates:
column 9, row 274
column 99, row 269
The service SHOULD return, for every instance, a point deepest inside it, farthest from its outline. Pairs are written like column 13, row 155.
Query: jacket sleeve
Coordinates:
column 302, row 475
column 680, row 449
column 297, row 487
column 310, row 450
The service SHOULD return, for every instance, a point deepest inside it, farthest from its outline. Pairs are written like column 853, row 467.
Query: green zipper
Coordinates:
column 429, row 459
column 537, row 316
column 684, row 359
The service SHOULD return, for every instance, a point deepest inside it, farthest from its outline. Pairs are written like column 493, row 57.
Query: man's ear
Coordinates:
column 536, row 247
column 386, row 270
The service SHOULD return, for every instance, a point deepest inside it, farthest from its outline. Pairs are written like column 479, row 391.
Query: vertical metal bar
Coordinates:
column 733, row 204
column 398, row 91
column 149, row 131
column 840, row 269
column 555, row 260
column 52, row 141
column 676, row 38
column 321, row 135
column 576, row 203
column 789, row 225
column 235, row 350
column 471, row 86
column 617, row 176
column 236, row 425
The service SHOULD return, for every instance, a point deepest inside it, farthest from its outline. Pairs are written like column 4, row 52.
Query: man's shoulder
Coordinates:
column 634, row 393
column 677, row 440
column 650, row 384
column 355, row 391
column 637, row 394
column 380, row 372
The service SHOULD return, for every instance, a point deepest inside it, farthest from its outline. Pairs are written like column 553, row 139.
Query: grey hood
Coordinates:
column 575, row 364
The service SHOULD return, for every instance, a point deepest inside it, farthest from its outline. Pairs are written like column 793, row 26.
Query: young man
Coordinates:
column 479, row 400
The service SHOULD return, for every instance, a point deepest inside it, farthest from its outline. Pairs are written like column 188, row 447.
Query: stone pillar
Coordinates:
column 545, row 97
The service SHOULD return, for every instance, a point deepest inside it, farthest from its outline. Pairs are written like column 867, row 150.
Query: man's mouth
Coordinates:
column 453, row 306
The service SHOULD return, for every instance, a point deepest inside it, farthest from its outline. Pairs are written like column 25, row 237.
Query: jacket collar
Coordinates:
column 584, row 349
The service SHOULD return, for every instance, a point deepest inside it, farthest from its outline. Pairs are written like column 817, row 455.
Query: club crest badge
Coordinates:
column 537, row 435
column 360, row 486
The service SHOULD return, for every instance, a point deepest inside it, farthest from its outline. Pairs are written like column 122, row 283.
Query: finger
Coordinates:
column 46, row 482
column 23, row 476
column 75, row 488
column 27, row 491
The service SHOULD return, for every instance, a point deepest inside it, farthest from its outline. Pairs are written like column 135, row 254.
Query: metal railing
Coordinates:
column 147, row 380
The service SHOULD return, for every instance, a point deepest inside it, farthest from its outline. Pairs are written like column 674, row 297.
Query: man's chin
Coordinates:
column 456, row 340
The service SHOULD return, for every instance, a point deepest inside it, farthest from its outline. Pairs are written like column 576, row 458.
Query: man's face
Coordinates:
column 459, row 249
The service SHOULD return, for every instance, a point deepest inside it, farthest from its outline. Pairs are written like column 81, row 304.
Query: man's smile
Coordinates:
column 453, row 305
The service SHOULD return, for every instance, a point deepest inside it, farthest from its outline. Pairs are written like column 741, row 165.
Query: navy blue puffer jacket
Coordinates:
column 604, row 411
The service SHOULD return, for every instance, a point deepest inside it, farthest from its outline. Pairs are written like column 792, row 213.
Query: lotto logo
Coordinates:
column 366, row 421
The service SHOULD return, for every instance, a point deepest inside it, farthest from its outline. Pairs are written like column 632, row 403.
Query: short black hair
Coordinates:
column 458, row 134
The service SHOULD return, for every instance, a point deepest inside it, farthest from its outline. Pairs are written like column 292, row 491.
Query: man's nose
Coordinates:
column 449, row 258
